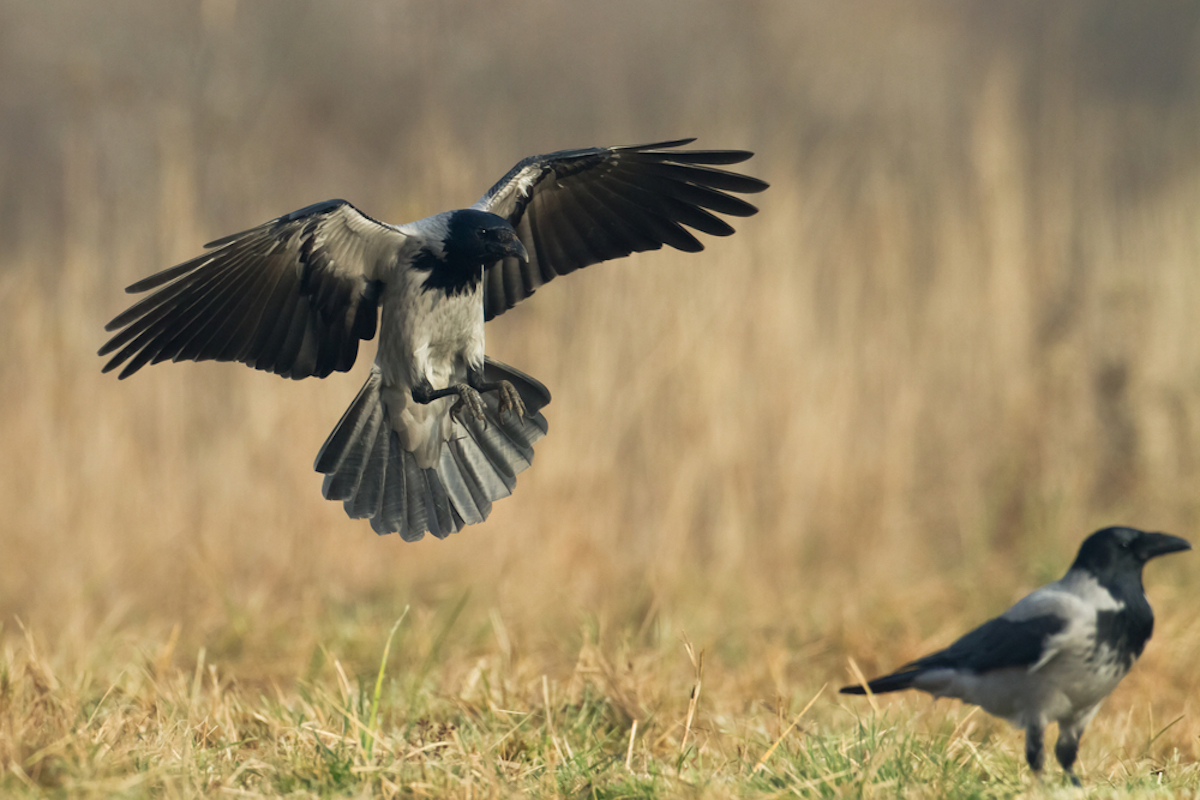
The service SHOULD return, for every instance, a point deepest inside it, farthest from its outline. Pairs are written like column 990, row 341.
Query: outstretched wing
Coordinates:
column 574, row 208
column 293, row 296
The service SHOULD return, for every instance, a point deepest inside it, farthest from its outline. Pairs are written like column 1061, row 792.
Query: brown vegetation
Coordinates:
column 957, row 338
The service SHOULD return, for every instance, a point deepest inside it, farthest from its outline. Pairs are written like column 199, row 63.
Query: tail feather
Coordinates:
column 392, row 515
column 428, row 502
column 466, row 492
column 367, row 467
column 346, row 434
column 344, row 455
column 520, row 434
column 895, row 682
column 416, row 495
column 507, row 443
column 442, row 521
column 494, row 476
column 365, row 499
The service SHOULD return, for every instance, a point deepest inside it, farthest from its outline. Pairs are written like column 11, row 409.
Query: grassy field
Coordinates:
column 957, row 339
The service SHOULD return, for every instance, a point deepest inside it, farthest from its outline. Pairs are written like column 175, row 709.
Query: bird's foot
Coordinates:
column 510, row 400
column 468, row 402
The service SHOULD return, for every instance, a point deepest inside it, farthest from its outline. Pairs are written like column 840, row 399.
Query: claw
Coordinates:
column 510, row 400
column 468, row 401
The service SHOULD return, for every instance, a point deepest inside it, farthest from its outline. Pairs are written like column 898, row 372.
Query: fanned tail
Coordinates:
column 367, row 468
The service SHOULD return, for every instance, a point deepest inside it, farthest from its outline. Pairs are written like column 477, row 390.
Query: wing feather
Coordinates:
column 579, row 207
column 999, row 643
column 293, row 296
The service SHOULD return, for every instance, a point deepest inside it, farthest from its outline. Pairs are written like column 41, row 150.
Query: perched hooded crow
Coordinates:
column 1056, row 654
column 439, row 430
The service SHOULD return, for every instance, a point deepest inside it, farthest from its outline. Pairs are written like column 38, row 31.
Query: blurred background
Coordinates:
column 959, row 336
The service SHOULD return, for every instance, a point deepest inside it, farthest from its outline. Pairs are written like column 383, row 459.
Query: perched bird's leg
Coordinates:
column 1035, row 752
column 1066, row 748
column 468, row 398
column 510, row 399
column 1098, row 607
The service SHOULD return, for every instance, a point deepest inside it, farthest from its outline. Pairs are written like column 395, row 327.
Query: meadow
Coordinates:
column 958, row 337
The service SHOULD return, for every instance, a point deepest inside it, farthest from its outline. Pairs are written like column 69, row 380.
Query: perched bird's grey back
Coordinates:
column 1058, row 652
column 439, row 430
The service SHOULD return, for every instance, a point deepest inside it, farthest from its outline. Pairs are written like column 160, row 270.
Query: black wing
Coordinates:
column 574, row 208
column 997, row 644
column 1000, row 643
column 293, row 296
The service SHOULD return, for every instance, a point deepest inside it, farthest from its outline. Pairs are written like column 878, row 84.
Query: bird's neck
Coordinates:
column 1127, row 628
column 448, row 273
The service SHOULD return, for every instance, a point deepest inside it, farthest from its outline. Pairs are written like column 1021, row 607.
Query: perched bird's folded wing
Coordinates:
column 575, row 208
column 293, row 296
column 1000, row 643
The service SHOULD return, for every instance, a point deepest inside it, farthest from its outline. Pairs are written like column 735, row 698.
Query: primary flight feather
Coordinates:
column 439, row 430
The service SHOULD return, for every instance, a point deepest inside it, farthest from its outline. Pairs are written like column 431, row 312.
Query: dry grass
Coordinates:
column 957, row 339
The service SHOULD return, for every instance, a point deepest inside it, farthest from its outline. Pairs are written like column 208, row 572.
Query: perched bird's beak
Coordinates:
column 1152, row 545
column 511, row 249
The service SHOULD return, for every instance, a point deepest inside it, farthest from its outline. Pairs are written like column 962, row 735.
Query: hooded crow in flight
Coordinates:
column 439, row 431
column 1056, row 654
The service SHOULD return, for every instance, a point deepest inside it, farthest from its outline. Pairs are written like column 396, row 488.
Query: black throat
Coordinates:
column 451, row 274
column 1126, row 631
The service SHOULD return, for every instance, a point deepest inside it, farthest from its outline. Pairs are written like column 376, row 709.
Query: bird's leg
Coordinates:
column 468, row 398
column 1035, row 752
column 510, row 399
column 1066, row 748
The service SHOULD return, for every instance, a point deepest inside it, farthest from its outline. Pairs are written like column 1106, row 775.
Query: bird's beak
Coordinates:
column 1152, row 545
column 519, row 252
column 513, row 249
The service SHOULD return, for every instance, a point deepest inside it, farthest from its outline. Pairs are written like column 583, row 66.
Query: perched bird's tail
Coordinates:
column 888, row 683
column 367, row 467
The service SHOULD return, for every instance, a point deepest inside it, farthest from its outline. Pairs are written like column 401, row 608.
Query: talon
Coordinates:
column 468, row 401
column 510, row 400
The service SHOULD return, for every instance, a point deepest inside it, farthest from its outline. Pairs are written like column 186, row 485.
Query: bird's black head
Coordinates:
column 481, row 238
column 1113, row 551
column 474, row 240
